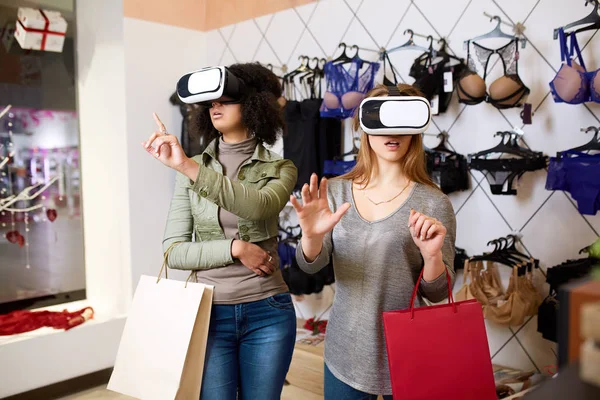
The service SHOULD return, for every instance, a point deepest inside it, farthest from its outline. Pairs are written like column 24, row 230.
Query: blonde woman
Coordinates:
column 380, row 225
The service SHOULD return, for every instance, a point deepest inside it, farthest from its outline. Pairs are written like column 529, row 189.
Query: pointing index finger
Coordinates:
column 161, row 126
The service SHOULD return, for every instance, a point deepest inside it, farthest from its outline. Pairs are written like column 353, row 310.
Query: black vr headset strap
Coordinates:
column 387, row 62
column 393, row 91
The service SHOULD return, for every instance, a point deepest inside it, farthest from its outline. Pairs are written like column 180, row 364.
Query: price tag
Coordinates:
column 435, row 105
column 448, row 82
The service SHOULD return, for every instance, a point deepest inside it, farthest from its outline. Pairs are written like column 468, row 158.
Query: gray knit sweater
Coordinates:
column 376, row 265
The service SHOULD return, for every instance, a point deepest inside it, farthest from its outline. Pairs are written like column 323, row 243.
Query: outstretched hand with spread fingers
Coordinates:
column 314, row 214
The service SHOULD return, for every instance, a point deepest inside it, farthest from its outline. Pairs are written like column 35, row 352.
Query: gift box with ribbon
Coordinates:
column 40, row 29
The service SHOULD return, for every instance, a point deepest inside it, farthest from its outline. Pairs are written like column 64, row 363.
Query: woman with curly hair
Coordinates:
column 229, row 198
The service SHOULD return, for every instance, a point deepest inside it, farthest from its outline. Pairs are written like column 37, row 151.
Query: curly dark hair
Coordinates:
column 261, row 113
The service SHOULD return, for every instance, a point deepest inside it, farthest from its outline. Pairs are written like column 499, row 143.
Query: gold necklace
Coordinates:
column 386, row 201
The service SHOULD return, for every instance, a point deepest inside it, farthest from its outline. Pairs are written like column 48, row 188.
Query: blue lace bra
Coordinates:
column 346, row 88
column 573, row 84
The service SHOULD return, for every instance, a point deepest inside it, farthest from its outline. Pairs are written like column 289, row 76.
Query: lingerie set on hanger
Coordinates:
column 346, row 88
column 449, row 171
column 555, row 277
column 579, row 174
column 505, row 92
column 573, row 84
column 512, row 307
column 430, row 78
column 503, row 171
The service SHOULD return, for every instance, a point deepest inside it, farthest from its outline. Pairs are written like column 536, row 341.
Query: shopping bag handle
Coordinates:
column 165, row 261
column 414, row 294
column 193, row 273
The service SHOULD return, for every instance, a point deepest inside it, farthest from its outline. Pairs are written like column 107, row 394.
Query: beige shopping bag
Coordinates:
column 162, row 349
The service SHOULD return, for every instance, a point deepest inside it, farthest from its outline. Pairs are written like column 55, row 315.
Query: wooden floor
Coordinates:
column 101, row 393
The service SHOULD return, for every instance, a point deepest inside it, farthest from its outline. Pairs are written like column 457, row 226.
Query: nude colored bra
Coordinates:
column 505, row 92
column 512, row 307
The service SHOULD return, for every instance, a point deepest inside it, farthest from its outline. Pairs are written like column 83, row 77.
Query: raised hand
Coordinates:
column 428, row 234
column 314, row 215
column 165, row 147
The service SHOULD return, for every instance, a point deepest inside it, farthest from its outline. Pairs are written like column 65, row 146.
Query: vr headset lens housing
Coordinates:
column 210, row 84
column 397, row 115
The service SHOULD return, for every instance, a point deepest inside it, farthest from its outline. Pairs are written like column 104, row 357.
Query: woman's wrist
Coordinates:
column 237, row 248
column 311, row 247
column 189, row 168
column 433, row 258
column 433, row 266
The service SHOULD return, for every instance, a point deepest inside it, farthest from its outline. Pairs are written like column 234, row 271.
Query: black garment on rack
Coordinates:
column 430, row 77
column 310, row 138
column 500, row 171
column 449, row 171
column 298, row 281
column 191, row 147
column 460, row 256
column 556, row 277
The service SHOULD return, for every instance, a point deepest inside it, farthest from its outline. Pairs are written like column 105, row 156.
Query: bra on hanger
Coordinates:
column 573, row 84
column 346, row 88
column 505, row 92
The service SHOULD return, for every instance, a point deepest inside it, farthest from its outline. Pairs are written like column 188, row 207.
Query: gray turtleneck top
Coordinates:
column 235, row 283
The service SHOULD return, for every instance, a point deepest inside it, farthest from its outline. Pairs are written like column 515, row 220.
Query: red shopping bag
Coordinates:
column 439, row 352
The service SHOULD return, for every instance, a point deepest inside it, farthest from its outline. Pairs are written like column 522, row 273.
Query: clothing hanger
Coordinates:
column 441, row 147
column 289, row 78
column 504, row 147
column 344, row 58
column 411, row 45
column 513, row 137
column 592, row 145
column 310, row 75
column 591, row 18
column 494, row 33
column 442, row 50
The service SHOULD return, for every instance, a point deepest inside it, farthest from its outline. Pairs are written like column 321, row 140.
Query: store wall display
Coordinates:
column 448, row 169
column 41, row 242
column 576, row 171
column 501, row 173
column 316, row 30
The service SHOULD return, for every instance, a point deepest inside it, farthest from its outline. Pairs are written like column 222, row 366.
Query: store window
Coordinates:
column 41, row 227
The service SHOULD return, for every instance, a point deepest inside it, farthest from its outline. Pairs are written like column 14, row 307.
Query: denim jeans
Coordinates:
column 336, row 389
column 249, row 349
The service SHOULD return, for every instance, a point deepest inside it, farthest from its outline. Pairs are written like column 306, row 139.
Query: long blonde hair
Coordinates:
column 413, row 162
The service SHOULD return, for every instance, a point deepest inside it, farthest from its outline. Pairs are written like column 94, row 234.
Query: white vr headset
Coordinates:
column 394, row 114
column 211, row 84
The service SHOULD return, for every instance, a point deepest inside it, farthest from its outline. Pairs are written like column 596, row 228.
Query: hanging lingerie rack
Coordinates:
column 497, row 32
column 411, row 45
column 592, row 20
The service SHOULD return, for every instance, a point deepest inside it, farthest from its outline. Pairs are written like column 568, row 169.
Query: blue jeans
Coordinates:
column 249, row 349
column 336, row 389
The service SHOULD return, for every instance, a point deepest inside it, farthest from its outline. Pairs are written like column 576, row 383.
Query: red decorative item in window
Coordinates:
column 15, row 237
column 25, row 321
column 315, row 326
column 51, row 214
column 12, row 236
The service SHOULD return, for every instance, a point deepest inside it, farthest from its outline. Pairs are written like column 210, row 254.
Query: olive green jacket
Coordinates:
column 262, row 189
